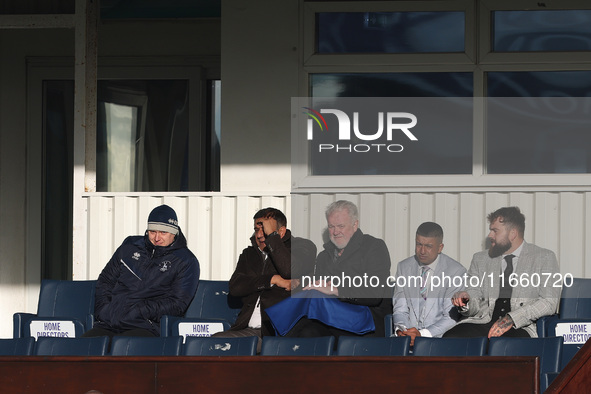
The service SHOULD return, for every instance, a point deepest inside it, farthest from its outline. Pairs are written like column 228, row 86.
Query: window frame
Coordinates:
column 477, row 59
column 197, row 70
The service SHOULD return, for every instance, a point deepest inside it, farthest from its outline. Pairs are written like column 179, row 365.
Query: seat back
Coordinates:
column 212, row 309
column 548, row 349
column 373, row 346
column 213, row 300
column 66, row 298
column 575, row 300
column 214, row 346
column 575, row 303
column 17, row 346
column 287, row 346
column 146, row 346
column 65, row 308
column 52, row 346
column 425, row 346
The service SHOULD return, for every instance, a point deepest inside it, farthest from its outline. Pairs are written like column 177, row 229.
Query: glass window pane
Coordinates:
column 214, row 137
column 150, row 141
column 539, row 84
column 58, row 140
column 445, row 138
column 437, row 84
column 390, row 32
column 545, row 131
column 546, row 30
column 121, row 129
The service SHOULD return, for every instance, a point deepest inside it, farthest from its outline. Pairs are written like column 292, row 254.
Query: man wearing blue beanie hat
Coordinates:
column 148, row 276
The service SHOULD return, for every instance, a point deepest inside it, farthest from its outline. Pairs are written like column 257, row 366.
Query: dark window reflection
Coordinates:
column 445, row 137
column 546, row 30
column 142, row 135
column 437, row 84
column 547, row 131
column 58, row 135
column 390, row 32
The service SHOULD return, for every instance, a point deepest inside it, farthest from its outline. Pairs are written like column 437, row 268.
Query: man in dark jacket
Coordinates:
column 147, row 277
column 267, row 272
column 354, row 267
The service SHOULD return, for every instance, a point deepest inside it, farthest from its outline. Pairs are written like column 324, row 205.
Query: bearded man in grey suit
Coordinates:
column 508, row 287
column 425, row 284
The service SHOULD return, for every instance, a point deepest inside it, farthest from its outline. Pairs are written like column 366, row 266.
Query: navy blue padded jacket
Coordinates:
column 142, row 282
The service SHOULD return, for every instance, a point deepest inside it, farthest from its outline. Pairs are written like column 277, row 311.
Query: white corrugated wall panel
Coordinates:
column 218, row 227
column 571, row 236
column 559, row 221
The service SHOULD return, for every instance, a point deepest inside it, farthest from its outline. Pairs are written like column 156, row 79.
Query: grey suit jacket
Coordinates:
column 528, row 302
column 438, row 315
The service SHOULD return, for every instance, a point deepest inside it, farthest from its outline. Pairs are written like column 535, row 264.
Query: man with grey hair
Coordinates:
column 354, row 268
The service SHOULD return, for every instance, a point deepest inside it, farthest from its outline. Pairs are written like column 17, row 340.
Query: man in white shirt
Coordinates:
column 425, row 285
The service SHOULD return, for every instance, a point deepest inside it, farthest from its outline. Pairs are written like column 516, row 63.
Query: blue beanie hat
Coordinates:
column 163, row 218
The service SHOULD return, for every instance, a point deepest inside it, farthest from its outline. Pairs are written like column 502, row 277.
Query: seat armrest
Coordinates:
column 543, row 323
column 20, row 320
column 388, row 322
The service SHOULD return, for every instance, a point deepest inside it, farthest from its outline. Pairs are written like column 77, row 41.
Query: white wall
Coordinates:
column 259, row 77
column 559, row 221
column 217, row 226
column 15, row 46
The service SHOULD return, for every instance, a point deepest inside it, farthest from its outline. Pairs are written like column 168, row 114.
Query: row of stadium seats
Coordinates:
column 546, row 348
column 74, row 301
column 549, row 350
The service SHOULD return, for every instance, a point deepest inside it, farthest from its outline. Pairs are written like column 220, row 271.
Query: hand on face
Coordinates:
column 262, row 228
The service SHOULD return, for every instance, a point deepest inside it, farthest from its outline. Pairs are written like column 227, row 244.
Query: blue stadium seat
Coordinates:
column 575, row 303
column 17, row 346
column 146, row 346
column 548, row 349
column 287, row 346
column 51, row 346
column 212, row 304
column 575, row 333
column 575, row 311
column 214, row 346
column 449, row 346
column 59, row 301
column 373, row 346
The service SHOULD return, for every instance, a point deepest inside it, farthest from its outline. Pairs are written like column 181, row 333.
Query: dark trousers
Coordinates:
column 101, row 332
column 471, row 330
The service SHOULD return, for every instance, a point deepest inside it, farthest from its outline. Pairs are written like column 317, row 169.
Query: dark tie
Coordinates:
column 506, row 289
